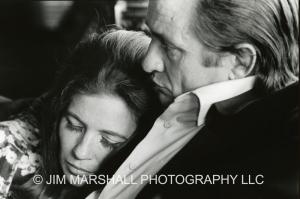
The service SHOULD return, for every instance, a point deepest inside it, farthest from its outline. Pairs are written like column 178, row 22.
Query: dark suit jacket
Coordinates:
column 245, row 135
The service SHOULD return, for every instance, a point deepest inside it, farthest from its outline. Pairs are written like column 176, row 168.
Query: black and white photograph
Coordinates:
column 149, row 99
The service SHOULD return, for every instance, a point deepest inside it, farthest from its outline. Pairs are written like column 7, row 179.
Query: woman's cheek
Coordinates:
column 67, row 139
column 100, row 155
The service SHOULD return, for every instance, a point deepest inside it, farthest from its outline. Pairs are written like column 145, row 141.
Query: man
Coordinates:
column 232, row 67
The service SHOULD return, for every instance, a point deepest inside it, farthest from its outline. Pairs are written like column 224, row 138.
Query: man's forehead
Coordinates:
column 168, row 16
column 160, row 6
column 158, row 11
column 171, row 9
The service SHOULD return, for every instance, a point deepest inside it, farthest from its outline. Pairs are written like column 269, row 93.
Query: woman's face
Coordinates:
column 93, row 126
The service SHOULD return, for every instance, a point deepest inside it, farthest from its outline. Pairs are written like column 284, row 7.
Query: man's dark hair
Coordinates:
column 272, row 27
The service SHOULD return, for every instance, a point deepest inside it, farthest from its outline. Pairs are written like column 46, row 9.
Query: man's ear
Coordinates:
column 244, row 62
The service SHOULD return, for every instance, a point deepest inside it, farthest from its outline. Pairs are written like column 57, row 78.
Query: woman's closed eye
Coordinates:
column 108, row 139
column 110, row 142
column 73, row 127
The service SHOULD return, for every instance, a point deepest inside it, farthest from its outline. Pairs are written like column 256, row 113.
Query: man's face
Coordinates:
column 176, row 58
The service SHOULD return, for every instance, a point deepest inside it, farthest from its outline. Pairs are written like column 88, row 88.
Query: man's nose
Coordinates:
column 153, row 61
column 82, row 151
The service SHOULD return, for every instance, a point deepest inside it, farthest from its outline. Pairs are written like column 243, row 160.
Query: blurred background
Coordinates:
column 35, row 37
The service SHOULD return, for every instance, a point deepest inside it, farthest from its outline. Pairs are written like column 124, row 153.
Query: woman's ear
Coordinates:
column 244, row 62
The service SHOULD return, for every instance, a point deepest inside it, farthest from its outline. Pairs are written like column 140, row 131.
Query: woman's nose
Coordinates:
column 82, row 151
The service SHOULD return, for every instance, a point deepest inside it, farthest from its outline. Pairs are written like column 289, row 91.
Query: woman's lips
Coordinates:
column 75, row 170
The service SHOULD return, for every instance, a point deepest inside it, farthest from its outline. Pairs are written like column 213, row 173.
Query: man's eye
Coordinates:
column 172, row 53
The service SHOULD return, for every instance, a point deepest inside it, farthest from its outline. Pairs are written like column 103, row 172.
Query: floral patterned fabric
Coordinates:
column 19, row 155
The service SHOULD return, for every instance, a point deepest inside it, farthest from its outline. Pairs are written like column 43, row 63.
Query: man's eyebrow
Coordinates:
column 164, row 40
column 112, row 133
column 158, row 36
column 161, row 38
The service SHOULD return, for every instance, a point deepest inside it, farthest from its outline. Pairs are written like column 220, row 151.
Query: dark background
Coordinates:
column 36, row 36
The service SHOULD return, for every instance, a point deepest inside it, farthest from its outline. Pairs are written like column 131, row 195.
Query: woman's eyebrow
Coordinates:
column 76, row 117
column 112, row 133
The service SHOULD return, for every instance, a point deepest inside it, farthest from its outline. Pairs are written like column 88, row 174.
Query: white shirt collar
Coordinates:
column 208, row 95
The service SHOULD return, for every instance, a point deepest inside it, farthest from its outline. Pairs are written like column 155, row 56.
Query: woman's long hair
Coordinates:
column 104, row 63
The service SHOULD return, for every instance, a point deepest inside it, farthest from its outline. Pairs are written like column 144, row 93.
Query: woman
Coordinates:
column 91, row 112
